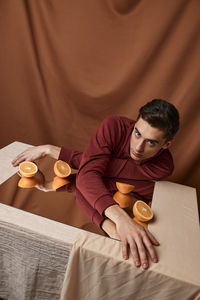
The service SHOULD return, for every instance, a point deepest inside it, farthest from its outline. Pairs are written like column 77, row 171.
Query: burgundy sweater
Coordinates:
column 105, row 160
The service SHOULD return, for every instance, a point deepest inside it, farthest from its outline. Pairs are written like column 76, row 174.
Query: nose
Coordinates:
column 140, row 146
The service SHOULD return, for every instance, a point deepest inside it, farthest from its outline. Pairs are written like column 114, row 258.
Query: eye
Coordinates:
column 137, row 133
column 151, row 143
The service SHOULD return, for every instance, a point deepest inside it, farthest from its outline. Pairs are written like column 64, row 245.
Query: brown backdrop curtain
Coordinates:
column 65, row 65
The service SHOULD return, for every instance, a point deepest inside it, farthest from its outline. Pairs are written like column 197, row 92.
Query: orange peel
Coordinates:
column 58, row 182
column 25, row 182
column 62, row 169
column 142, row 211
column 28, row 168
column 139, row 222
column 124, row 188
column 124, row 200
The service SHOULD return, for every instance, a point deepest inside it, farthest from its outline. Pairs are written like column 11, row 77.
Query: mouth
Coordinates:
column 139, row 155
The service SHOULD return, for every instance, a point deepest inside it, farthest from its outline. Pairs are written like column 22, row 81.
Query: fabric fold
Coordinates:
column 97, row 271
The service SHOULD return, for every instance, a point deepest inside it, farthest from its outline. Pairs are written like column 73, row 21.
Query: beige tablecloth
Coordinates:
column 96, row 271
column 34, row 253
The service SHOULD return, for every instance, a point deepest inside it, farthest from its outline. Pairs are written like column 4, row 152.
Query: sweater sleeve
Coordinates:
column 89, row 211
column 95, row 159
column 72, row 157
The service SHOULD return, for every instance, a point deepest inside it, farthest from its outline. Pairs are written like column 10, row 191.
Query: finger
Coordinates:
column 20, row 158
column 14, row 159
column 142, row 253
column 19, row 174
column 134, row 253
column 17, row 160
column 150, row 249
column 124, row 249
column 152, row 238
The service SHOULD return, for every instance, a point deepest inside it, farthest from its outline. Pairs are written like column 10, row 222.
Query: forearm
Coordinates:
column 109, row 227
column 116, row 213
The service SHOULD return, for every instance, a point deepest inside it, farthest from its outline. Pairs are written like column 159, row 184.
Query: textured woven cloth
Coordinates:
column 32, row 266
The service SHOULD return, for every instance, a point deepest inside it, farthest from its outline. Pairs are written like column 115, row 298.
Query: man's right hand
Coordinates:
column 134, row 236
column 37, row 152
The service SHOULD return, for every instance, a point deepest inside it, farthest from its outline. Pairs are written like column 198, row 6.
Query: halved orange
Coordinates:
column 139, row 222
column 58, row 182
column 142, row 211
column 28, row 169
column 62, row 169
column 122, row 199
column 124, row 188
column 25, row 182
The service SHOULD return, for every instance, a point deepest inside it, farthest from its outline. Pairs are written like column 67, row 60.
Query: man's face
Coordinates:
column 146, row 141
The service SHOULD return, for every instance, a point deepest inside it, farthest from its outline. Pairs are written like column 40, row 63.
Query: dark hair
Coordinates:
column 162, row 115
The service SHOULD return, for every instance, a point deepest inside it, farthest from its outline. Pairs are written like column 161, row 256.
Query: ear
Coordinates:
column 167, row 144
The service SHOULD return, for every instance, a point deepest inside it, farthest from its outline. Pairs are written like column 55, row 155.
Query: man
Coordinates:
column 126, row 151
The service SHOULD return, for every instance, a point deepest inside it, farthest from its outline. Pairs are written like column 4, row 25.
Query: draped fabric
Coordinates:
column 66, row 65
column 95, row 271
column 43, row 259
